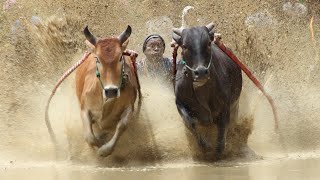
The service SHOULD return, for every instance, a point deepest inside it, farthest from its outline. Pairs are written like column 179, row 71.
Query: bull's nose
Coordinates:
column 200, row 73
column 111, row 92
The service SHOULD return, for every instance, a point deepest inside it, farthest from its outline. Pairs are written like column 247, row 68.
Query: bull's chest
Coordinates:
column 204, row 103
column 109, row 114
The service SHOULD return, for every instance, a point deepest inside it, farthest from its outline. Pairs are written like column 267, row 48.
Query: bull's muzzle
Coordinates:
column 111, row 92
column 201, row 73
column 200, row 76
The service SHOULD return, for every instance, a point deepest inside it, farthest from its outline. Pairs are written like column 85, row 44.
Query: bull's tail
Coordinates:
column 185, row 11
column 253, row 79
column 65, row 75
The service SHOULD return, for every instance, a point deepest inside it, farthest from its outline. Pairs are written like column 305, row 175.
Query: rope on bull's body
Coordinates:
column 174, row 63
column 252, row 78
column 62, row 78
column 133, row 55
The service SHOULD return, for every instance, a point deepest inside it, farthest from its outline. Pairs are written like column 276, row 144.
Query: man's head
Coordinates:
column 153, row 46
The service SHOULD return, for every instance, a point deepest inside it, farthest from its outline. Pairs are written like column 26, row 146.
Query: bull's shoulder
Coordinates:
column 183, row 86
column 223, row 61
column 85, row 75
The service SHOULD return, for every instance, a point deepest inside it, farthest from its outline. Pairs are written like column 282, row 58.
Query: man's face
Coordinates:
column 154, row 47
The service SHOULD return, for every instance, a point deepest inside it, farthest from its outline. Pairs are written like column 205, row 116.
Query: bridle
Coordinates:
column 193, row 70
column 98, row 75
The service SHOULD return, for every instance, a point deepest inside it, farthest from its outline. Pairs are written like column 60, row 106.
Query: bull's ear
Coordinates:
column 125, row 35
column 176, row 36
column 124, row 45
column 210, row 28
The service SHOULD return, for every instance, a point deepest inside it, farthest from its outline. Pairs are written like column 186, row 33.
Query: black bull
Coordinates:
column 207, row 85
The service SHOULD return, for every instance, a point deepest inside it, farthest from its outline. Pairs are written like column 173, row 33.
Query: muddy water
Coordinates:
column 278, row 40
column 294, row 169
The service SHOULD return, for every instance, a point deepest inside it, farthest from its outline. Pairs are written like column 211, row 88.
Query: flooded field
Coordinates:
column 278, row 40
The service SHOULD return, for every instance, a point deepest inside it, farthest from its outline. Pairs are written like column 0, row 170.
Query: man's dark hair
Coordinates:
column 151, row 37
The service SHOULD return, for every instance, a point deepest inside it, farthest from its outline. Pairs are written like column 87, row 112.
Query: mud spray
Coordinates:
column 278, row 41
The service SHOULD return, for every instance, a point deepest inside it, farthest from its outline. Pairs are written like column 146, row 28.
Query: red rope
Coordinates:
column 174, row 63
column 174, row 60
column 133, row 56
column 253, row 79
column 63, row 77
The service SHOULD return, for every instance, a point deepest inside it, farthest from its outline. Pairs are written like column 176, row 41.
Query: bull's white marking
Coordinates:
column 111, row 87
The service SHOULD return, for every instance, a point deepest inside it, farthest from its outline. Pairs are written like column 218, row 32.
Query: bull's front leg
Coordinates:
column 191, row 124
column 222, row 125
column 108, row 148
column 186, row 116
column 87, row 123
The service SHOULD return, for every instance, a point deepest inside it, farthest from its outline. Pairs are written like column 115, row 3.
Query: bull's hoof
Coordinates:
column 105, row 150
column 219, row 151
column 218, row 157
column 93, row 141
column 205, row 147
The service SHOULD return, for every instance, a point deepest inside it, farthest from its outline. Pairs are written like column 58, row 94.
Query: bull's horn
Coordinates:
column 211, row 30
column 176, row 35
column 90, row 37
column 125, row 35
column 178, row 31
column 210, row 26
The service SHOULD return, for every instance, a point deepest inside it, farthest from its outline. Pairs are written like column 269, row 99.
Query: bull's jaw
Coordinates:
column 200, row 82
column 197, row 84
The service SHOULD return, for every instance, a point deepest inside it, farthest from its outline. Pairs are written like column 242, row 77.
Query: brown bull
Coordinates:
column 106, row 88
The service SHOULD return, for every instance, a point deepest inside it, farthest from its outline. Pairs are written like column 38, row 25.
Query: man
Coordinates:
column 154, row 64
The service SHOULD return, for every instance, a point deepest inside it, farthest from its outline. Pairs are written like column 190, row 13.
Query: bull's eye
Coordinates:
column 183, row 46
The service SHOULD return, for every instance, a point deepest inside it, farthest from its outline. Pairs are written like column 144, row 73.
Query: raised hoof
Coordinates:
column 105, row 150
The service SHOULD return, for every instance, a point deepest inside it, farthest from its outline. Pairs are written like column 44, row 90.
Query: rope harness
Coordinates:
column 193, row 70
column 98, row 75
column 133, row 55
